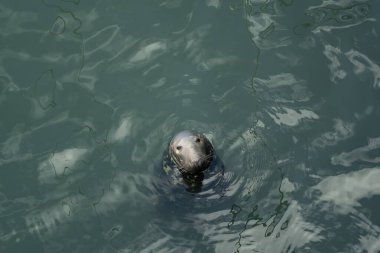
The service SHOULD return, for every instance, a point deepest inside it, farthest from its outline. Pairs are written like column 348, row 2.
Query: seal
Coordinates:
column 191, row 152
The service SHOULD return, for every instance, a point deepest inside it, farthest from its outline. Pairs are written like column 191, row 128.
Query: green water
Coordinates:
column 92, row 91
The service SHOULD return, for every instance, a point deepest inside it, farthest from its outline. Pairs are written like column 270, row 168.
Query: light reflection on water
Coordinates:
column 91, row 93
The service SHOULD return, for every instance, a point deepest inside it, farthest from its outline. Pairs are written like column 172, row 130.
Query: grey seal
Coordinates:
column 191, row 152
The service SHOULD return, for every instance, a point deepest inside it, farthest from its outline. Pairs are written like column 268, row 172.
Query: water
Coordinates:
column 92, row 91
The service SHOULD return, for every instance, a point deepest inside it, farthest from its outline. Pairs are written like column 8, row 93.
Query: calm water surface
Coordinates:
column 92, row 91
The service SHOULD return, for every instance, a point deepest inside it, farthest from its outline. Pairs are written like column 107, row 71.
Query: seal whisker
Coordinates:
column 206, row 157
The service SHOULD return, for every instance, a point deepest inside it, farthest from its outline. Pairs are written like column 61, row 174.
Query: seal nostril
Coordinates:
column 198, row 140
column 179, row 147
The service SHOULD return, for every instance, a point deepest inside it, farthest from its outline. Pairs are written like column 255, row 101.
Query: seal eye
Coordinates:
column 179, row 148
column 198, row 139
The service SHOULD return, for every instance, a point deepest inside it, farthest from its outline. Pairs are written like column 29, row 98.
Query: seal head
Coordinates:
column 192, row 152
